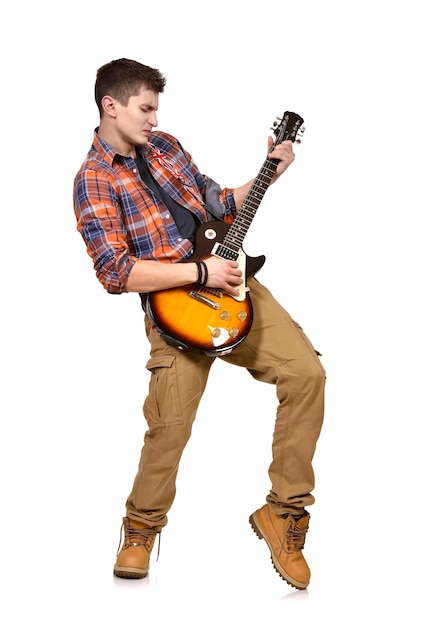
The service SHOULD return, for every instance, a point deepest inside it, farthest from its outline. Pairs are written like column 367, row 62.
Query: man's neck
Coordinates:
column 122, row 147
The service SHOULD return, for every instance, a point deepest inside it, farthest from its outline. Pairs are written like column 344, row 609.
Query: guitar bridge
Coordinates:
column 200, row 298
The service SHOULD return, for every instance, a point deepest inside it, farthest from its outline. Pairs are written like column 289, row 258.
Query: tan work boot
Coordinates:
column 285, row 537
column 134, row 558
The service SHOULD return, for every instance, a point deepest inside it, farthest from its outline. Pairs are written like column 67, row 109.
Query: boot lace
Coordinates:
column 138, row 537
column 295, row 537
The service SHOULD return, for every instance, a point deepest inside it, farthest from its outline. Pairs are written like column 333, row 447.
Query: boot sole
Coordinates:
column 277, row 566
column 129, row 572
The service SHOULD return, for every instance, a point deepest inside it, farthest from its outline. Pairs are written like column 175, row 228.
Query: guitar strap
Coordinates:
column 186, row 221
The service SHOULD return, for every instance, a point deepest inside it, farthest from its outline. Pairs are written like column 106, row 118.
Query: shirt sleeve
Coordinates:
column 220, row 202
column 99, row 222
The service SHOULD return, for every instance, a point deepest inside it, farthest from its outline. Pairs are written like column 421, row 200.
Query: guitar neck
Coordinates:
column 233, row 240
column 254, row 197
column 232, row 243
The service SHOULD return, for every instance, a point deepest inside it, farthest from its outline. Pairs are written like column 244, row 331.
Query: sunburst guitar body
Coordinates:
column 200, row 318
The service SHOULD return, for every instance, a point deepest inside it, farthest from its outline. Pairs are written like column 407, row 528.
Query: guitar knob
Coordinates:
column 242, row 315
column 210, row 233
column 234, row 332
column 224, row 315
column 215, row 332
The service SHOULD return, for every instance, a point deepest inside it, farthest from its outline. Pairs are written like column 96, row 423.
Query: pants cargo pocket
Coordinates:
column 316, row 354
column 162, row 405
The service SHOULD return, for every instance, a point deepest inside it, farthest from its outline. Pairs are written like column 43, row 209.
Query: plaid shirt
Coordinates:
column 122, row 220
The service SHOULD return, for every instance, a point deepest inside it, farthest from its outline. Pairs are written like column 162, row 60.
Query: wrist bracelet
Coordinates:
column 206, row 273
column 199, row 272
column 202, row 273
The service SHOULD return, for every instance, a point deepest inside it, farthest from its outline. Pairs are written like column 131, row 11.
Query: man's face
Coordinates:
column 135, row 121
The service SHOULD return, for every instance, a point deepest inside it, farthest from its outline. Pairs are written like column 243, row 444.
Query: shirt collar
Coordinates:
column 106, row 151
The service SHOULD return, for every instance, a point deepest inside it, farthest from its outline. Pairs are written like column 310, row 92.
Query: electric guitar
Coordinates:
column 209, row 320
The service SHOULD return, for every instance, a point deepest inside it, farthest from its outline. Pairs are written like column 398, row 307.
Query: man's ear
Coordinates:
column 109, row 107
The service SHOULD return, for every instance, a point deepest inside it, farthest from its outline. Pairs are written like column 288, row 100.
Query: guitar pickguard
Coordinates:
column 242, row 263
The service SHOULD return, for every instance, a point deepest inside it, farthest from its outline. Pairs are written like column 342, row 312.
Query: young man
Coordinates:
column 139, row 199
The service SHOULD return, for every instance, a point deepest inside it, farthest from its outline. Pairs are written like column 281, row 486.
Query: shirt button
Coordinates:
column 134, row 170
column 167, row 216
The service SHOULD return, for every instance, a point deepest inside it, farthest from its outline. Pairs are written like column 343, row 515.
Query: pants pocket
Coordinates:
column 162, row 406
column 316, row 354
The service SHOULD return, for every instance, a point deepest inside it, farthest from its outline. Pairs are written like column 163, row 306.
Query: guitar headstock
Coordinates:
column 289, row 127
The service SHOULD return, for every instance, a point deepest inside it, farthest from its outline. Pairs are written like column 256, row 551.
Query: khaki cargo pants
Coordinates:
column 275, row 351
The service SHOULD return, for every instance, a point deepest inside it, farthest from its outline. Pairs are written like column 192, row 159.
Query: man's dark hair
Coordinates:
column 123, row 78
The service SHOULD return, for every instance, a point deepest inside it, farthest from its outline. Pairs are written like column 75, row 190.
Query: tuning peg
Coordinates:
column 300, row 134
column 276, row 123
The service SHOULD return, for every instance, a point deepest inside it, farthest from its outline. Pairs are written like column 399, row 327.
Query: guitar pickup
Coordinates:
column 200, row 298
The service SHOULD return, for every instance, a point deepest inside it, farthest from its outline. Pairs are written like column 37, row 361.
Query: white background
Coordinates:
column 342, row 236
